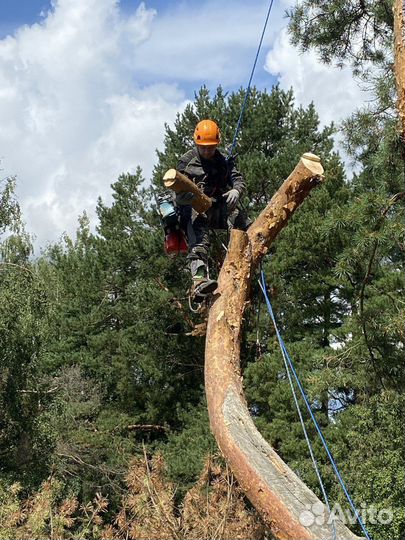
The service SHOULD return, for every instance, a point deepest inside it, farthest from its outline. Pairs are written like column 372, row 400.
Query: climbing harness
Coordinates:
column 290, row 369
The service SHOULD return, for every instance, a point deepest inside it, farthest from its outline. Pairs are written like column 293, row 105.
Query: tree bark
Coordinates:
column 399, row 65
column 399, row 49
column 306, row 175
column 273, row 488
column 179, row 183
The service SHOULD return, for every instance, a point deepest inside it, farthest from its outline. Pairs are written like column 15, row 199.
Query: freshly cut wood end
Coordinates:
column 170, row 174
column 311, row 157
column 313, row 163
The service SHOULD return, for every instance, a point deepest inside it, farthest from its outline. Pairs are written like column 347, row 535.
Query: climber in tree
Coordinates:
column 218, row 178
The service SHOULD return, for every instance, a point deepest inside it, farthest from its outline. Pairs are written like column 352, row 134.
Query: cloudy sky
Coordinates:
column 87, row 85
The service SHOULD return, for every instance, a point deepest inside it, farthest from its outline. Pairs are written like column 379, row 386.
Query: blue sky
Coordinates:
column 17, row 13
column 86, row 87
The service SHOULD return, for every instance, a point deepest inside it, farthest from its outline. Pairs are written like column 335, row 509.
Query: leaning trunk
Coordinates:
column 277, row 493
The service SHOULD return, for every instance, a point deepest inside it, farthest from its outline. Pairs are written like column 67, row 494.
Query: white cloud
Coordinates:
column 85, row 93
column 333, row 90
column 73, row 115
column 211, row 41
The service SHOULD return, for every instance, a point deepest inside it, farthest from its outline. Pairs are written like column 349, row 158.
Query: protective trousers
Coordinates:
column 198, row 227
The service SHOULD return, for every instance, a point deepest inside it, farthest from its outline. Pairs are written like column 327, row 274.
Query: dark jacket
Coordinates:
column 215, row 176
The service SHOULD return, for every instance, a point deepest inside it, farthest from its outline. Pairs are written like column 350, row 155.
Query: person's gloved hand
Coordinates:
column 232, row 198
column 184, row 198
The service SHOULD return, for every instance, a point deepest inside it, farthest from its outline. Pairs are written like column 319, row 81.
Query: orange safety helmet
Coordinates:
column 206, row 133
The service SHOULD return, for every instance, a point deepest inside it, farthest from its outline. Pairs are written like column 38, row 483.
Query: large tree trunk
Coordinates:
column 399, row 49
column 277, row 493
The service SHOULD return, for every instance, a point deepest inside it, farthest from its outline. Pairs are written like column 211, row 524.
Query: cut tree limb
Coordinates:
column 273, row 488
column 179, row 183
column 306, row 175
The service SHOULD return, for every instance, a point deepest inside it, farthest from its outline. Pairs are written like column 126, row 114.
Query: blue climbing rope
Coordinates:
column 287, row 357
column 250, row 82
column 304, row 429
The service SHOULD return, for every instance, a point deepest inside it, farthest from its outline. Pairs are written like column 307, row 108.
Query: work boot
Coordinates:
column 202, row 287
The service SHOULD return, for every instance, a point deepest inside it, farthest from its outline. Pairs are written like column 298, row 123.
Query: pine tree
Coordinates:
column 114, row 352
column 341, row 32
column 364, row 375
column 24, row 445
